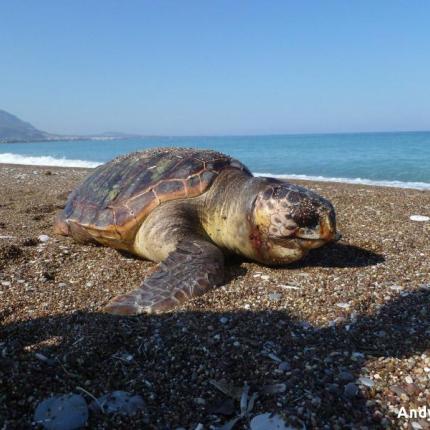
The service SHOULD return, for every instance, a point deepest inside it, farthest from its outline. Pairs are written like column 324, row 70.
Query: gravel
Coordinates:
column 52, row 294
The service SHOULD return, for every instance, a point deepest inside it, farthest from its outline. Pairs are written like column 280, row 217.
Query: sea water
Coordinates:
column 396, row 159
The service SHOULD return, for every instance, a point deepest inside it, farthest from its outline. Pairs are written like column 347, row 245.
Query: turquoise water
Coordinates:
column 401, row 159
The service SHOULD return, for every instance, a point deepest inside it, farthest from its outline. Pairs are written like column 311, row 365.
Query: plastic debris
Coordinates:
column 421, row 218
column 269, row 421
column 119, row 402
column 65, row 412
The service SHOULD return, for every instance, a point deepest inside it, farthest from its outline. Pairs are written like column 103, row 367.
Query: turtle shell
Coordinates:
column 113, row 202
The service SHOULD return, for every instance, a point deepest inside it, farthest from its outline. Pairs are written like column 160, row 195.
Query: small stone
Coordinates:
column 343, row 305
column 62, row 285
column 66, row 412
column 350, row 390
column 346, row 376
column 200, row 401
column 119, row 402
column 357, row 356
column 409, row 380
column 223, row 320
column 367, row 382
column 333, row 388
column 412, row 389
column 43, row 238
column 265, row 277
column 419, row 218
column 284, row 366
column 5, row 283
column 274, row 297
column 396, row 389
column 268, row 421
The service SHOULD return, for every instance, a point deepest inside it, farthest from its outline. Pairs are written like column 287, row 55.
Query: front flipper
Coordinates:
column 189, row 271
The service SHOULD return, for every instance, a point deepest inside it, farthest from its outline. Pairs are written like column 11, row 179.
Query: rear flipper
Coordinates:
column 190, row 270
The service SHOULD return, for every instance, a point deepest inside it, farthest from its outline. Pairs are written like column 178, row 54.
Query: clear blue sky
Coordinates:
column 216, row 67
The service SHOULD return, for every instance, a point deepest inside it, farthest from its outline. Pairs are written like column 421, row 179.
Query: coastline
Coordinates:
column 356, row 309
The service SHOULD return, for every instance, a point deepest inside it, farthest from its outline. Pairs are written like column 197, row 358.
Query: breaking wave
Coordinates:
column 359, row 181
column 45, row 160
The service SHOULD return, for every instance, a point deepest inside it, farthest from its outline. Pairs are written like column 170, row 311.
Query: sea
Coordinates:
column 388, row 159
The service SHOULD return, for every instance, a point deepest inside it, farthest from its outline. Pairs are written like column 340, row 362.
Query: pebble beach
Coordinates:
column 339, row 340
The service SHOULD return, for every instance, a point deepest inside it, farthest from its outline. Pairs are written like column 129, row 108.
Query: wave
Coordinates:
column 45, row 160
column 359, row 181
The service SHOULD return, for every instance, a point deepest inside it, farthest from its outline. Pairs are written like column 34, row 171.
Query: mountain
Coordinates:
column 12, row 129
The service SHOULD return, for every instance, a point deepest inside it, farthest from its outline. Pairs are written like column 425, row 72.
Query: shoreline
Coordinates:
column 303, row 179
column 349, row 324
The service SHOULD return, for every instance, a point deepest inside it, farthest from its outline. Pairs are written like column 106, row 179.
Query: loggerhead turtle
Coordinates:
column 186, row 208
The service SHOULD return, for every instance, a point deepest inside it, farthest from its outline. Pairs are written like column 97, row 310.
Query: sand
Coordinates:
column 353, row 310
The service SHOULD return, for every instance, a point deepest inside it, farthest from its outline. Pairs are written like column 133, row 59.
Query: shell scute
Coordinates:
column 113, row 201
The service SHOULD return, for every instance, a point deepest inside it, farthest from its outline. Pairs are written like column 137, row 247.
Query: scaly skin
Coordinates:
column 265, row 220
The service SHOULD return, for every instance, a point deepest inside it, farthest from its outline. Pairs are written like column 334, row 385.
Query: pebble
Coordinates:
column 269, row 421
column 367, row 382
column 343, row 305
column 119, row 402
column 5, row 283
column 65, row 412
column 409, row 380
column 62, row 285
column 346, row 376
column 350, row 390
column 274, row 297
column 421, row 218
column 289, row 287
column 223, row 320
column 43, row 238
column 284, row 366
column 357, row 356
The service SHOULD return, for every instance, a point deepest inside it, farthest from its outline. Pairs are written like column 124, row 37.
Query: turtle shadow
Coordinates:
column 171, row 359
column 340, row 255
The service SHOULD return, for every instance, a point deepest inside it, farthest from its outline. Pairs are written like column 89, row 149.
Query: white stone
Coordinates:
column 269, row 422
column 43, row 238
column 421, row 218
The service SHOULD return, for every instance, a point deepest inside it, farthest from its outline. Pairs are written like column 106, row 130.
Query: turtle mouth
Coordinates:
column 297, row 238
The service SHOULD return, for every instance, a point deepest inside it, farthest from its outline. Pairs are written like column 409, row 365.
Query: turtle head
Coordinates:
column 288, row 221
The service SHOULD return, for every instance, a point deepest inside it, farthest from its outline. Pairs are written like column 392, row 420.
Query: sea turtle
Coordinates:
column 187, row 208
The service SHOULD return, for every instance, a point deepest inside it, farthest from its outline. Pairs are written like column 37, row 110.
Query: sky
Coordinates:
column 216, row 67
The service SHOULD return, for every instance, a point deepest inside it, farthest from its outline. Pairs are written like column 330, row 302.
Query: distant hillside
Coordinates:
column 12, row 129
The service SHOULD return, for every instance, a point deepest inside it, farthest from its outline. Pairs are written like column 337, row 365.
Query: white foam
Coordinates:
column 359, row 181
column 45, row 160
